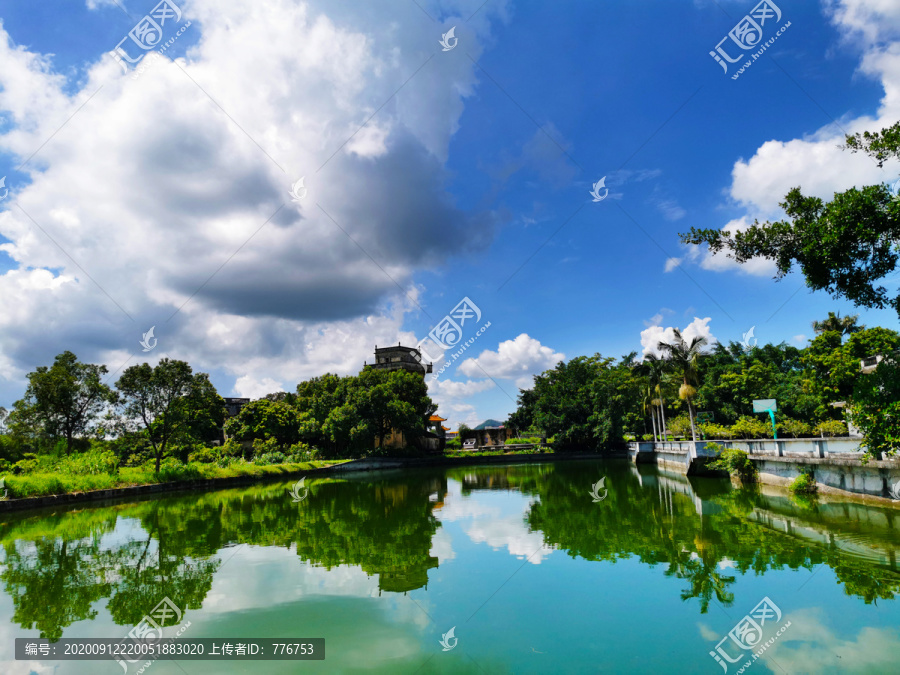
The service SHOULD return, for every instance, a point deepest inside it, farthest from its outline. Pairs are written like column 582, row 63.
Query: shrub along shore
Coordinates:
column 27, row 488
column 45, row 483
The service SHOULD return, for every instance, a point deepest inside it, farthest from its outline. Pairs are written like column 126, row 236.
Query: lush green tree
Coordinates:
column 583, row 402
column 390, row 401
column 875, row 408
column 732, row 377
column 564, row 407
column 282, row 396
column 648, row 407
column 522, row 419
column 684, row 358
column 62, row 401
column 615, row 396
column 880, row 145
column 319, row 397
column 845, row 325
column 166, row 402
column 845, row 246
column 265, row 419
column 834, row 367
column 205, row 411
column 654, row 369
column 350, row 414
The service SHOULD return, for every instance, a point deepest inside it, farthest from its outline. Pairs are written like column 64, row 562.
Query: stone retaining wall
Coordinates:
column 836, row 463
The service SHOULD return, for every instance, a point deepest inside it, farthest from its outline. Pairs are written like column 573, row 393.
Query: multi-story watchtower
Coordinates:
column 399, row 358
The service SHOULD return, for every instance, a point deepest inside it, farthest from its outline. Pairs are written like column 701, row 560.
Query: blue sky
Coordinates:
column 432, row 176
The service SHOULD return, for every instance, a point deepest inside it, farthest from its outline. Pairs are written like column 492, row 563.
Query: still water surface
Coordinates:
column 533, row 574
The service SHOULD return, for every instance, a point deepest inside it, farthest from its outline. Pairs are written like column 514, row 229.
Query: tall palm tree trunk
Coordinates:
column 691, row 415
column 662, row 414
column 653, row 421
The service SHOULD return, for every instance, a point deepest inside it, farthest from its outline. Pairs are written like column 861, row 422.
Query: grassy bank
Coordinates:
column 460, row 454
column 39, row 484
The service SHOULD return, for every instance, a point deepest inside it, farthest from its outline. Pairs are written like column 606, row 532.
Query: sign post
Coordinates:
column 770, row 406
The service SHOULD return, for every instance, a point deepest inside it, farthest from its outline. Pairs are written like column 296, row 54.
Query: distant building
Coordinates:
column 399, row 358
column 489, row 436
column 233, row 405
column 410, row 360
column 869, row 364
column 434, row 425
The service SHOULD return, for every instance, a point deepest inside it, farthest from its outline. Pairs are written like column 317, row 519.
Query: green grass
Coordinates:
column 804, row 484
column 492, row 453
column 40, row 484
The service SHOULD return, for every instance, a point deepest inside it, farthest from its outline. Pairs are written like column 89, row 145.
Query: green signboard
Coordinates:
column 764, row 405
column 767, row 405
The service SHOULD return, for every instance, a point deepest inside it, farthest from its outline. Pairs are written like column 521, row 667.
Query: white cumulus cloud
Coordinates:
column 653, row 335
column 519, row 360
column 164, row 200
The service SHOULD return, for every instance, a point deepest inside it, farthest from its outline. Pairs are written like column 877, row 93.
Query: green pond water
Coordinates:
column 534, row 568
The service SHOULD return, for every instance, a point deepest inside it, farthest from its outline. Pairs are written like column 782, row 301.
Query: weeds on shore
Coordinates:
column 41, row 483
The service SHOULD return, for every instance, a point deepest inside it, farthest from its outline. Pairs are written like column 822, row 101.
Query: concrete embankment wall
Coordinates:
column 836, row 463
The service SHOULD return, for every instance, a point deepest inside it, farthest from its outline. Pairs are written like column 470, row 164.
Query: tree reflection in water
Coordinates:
column 58, row 568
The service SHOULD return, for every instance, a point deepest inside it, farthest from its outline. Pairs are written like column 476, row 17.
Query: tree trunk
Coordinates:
column 158, row 457
column 662, row 413
column 691, row 415
column 68, row 441
column 653, row 420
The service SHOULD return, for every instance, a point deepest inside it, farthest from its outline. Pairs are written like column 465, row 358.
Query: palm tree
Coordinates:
column 648, row 406
column 654, row 369
column 845, row 325
column 685, row 357
column 657, row 368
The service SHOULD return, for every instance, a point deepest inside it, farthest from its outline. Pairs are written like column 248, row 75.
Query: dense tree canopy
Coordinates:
column 62, row 401
column 168, row 402
column 591, row 402
column 845, row 246
column 584, row 403
column 349, row 414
